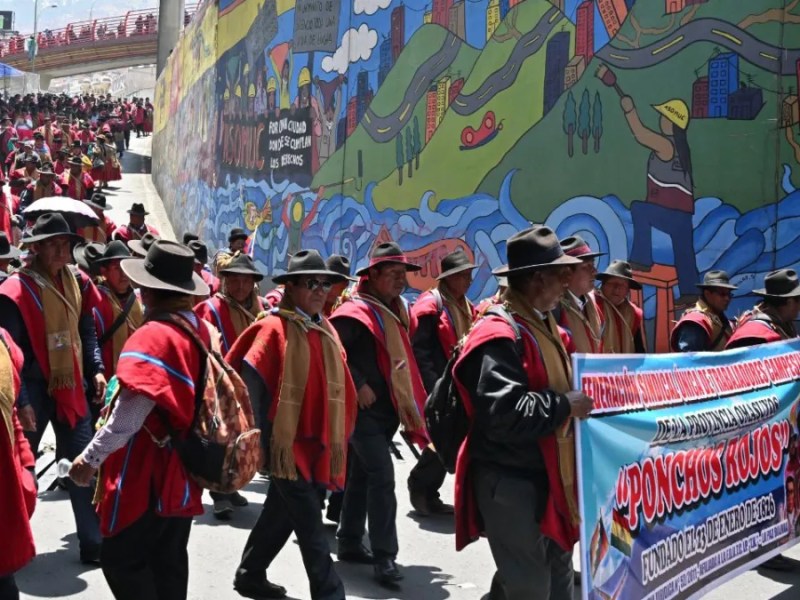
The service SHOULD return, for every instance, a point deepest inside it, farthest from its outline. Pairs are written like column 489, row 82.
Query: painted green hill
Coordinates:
column 455, row 173
column 379, row 158
column 732, row 159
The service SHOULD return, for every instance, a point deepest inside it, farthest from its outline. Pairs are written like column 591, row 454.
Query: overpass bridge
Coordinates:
column 89, row 46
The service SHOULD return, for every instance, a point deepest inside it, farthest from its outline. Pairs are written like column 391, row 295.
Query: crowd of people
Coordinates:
column 333, row 362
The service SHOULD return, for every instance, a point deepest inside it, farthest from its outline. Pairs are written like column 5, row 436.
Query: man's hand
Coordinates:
column 100, row 384
column 81, row 472
column 27, row 418
column 366, row 397
column 580, row 404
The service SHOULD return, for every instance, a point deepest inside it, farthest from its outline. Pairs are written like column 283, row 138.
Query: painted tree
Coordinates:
column 399, row 158
column 410, row 152
column 585, row 121
column 597, row 121
column 569, row 123
column 417, row 143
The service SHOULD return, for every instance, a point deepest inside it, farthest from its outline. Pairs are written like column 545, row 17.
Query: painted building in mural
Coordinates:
column 663, row 131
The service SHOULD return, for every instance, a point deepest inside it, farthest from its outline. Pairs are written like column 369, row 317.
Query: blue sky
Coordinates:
column 67, row 11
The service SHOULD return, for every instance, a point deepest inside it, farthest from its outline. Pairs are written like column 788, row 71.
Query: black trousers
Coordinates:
column 8, row 588
column 427, row 475
column 148, row 559
column 127, row 138
column 292, row 506
column 529, row 565
column 370, row 493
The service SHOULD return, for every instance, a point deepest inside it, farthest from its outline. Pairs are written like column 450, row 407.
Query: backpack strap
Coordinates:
column 183, row 324
column 121, row 317
column 500, row 311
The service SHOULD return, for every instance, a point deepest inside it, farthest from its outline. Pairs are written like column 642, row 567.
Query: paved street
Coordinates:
column 433, row 569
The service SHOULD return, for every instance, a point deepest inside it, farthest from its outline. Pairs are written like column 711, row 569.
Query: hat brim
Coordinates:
column 135, row 270
column 241, row 271
column 97, row 206
column 635, row 285
column 46, row 236
column 410, row 267
column 136, row 212
column 136, row 247
column 562, row 261
column 13, row 252
column 456, row 270
column 589, row 255
column 283, row 278
column 726, row 286
column 763, row 292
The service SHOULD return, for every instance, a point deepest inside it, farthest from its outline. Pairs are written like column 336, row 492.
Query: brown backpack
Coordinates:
column 223, row 447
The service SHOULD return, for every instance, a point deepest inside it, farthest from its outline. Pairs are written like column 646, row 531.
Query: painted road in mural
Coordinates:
column 730, row 37
column 504, row 77
column 385, row 128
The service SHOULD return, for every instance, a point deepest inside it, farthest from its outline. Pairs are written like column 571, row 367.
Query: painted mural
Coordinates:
column 663, row 131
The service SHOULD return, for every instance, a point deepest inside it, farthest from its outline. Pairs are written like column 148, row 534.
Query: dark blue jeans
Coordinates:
column 678, row 226
column 70, row 442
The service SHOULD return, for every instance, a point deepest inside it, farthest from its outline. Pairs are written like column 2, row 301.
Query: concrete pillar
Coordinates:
column 170, row 23
column 44, row 81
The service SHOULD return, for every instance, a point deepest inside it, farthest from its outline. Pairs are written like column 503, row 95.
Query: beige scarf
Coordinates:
column 584, row 325
column 718, row 326
column 133, row 321
column 7, row 396
column 40, row 191
column 558, row 366
column 460, row 312
column 617, row 339
column 294, row 378
column 61, row 314
column 241, row 316
column 401, row 385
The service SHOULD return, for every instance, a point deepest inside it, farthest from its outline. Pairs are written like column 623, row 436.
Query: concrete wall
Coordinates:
column 649, row 133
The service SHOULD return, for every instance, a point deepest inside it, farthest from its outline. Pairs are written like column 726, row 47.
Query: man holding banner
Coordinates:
column 515, row 476
column 704, row 327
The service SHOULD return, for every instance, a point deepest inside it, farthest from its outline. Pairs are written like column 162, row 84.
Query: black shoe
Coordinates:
column 238, row 500
column 223, row 509
column 437, row 507
column 779, row 563
column 258, row 588
column 90, row 555
column 419, row 502
column 386, row 571
column 355, row 554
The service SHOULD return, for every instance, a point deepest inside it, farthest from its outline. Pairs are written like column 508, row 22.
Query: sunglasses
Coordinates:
column 315, row 284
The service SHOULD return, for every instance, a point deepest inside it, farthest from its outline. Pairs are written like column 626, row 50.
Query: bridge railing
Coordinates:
column 132, row 25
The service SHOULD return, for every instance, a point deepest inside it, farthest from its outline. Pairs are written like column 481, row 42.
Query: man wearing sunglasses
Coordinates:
column 705, row 327
column 294, row 367
column 376, row 330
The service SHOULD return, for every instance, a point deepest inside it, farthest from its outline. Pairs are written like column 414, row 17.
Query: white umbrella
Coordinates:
column 77, row 213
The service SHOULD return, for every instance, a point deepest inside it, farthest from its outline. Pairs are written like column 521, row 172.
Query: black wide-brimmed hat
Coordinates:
column 388, row 253
column 782, row 283
column 137, row 209
column 190, row 237
column 577, row 247
column 532, row 249
column 455, row 262
column 75, row 161
column 31, row 158
column 49, row 225
column 242, row 264
column 76, row 144
column 85, row 255
column 98, row 201
column 7, row 251
column 237, row 233
column 307, row 262
column 340, row 264
column 46, row 169
column 140, row 247
column 116, row 250
column 717, row 279
column 200, row 251
column 622, row 270
column 168, row 266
